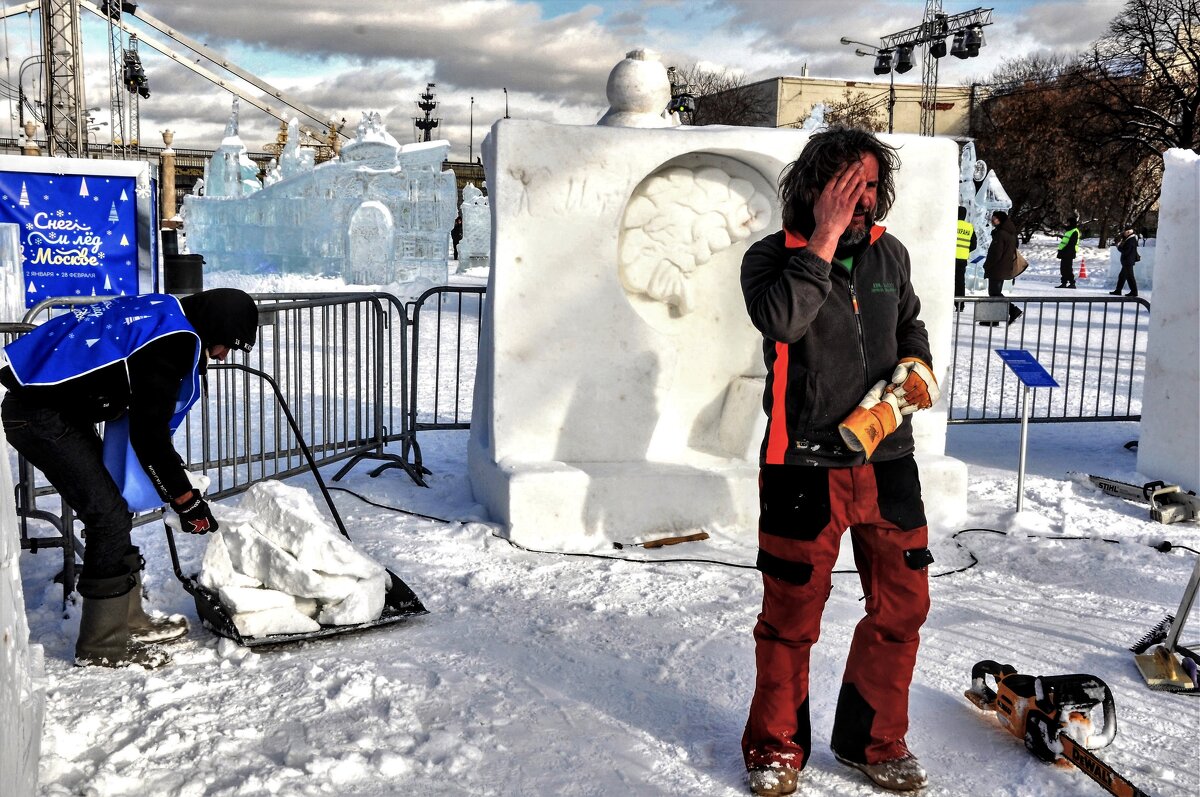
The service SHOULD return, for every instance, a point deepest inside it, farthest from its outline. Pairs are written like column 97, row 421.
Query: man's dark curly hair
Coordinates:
column 804, row 179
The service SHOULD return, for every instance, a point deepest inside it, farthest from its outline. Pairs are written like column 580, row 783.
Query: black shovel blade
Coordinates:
column 399, row 603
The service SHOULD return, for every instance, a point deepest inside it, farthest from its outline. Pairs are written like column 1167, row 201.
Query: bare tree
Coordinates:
column 858, row 109
column 1145, row 68
column 724, row 98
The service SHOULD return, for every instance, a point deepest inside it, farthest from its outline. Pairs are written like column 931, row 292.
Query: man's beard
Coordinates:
column 853, row 234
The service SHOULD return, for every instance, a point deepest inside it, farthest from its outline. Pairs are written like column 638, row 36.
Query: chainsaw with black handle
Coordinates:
column 1169, row 503
column 1061, row 718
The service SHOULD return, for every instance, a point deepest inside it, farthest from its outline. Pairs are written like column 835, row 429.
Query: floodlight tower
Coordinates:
column 967, row 30
column 66, row 130
column 426, row 123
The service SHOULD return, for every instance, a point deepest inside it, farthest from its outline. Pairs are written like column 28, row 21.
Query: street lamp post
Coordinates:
column 891, row 77
column 506, row 102
column 33, row 59
column 471, row 140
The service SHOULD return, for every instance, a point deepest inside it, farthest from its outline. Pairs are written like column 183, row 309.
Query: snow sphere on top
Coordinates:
column 638, row 92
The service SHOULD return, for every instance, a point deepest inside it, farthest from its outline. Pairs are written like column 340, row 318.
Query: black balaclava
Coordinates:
column 222, row 316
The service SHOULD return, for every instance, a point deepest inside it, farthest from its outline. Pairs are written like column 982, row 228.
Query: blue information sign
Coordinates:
column 1027, row 369
column 78, row 233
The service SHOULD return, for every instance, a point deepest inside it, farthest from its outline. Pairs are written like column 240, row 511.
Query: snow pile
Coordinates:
column 281, row 569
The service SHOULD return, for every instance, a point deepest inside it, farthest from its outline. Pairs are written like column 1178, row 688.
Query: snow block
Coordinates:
column 1169, row 443
column 289, row 517
column 618, row 392
column 22, row 672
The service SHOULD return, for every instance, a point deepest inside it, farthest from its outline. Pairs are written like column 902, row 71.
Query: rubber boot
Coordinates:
column 142, row 627
column 104, row 627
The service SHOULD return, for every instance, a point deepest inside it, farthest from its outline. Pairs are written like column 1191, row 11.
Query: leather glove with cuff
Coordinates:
column 914, row 385
column 875, row 417
column 194, row 515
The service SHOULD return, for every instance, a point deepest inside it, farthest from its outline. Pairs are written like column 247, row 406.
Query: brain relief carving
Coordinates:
column 677, row 220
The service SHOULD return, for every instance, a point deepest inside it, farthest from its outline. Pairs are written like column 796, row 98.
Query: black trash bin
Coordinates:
column 183, row 274
column 170, row 240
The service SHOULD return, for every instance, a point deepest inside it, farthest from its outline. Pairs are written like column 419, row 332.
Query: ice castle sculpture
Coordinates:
column 475, row 247
column 380, row 214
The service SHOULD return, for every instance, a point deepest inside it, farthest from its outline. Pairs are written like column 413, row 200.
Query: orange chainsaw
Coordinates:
column 1061, row 718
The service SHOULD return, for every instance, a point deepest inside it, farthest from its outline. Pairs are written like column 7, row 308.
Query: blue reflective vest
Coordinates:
column 91, row 337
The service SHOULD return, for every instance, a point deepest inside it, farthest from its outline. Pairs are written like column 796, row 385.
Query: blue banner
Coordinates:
column 78, row 233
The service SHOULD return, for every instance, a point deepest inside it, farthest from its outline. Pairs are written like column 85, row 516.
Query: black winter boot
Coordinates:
column 143, row 627
column 104, row 627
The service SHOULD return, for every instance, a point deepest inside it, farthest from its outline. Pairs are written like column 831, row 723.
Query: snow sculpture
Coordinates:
column 1169, row 444
column 677, row 220
column 22, row 671
column 280, row 568
column 380, row 214
column 609, row 407
column 639, row 92
column 476, row 244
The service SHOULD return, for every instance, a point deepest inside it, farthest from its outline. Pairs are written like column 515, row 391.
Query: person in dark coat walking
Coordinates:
column 1129, row 256
column 1001, row 259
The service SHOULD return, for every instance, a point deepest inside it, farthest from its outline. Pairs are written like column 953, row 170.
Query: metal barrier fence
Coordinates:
column 340, row 363
column 444, row 348
column 1094, row 347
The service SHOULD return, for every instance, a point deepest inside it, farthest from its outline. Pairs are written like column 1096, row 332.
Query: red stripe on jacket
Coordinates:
column 777, row 435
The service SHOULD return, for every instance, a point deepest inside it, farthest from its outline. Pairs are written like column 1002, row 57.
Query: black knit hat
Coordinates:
column 222, row 317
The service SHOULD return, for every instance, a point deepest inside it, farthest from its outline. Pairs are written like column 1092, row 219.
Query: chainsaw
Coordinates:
column 1061, row 718
column 1169, row 503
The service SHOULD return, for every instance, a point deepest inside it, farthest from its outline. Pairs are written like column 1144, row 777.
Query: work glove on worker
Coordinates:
column 875, row 417
column 914, row 386
column 194, row 515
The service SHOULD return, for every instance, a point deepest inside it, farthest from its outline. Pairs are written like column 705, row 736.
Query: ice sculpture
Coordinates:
column 475, row 246
column 980, row 192
column 816, row 119
column 677, row 220
column 380, row 214
column 230, row 172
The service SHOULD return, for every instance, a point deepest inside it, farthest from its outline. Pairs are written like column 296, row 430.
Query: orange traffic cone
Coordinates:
column 1082, row 269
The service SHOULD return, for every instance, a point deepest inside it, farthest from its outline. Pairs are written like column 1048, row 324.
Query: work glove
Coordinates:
column 914, row 386
column 195, row 517
column 875, row 417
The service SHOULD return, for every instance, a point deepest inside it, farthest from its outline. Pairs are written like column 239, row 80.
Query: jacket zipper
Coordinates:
column 862, row 350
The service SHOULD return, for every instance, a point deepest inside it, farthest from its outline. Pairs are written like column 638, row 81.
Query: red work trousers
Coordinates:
column 803, row 513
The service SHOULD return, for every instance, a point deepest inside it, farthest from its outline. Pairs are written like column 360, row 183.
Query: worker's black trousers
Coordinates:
column 70, row 454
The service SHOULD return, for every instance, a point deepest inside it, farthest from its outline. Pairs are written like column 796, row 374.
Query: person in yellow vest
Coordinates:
column 1066, row 254
column 966, row 243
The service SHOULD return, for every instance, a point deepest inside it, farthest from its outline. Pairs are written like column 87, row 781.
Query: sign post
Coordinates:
column 1031, row 374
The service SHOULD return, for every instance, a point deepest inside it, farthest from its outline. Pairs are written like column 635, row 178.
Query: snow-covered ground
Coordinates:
column 629, row 672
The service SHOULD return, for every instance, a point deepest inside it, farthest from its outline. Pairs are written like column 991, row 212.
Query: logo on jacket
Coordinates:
column 883, row 287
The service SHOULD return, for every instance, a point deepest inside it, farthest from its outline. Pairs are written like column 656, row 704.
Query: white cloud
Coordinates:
column 344, row 58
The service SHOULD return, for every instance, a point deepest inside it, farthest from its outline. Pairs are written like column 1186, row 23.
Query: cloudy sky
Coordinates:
column 553, row 56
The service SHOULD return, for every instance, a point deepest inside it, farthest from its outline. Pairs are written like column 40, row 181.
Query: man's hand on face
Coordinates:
column 834, row 208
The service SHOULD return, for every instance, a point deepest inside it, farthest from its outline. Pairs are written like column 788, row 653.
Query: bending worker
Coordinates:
column 134, row 363
column 832, row 295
